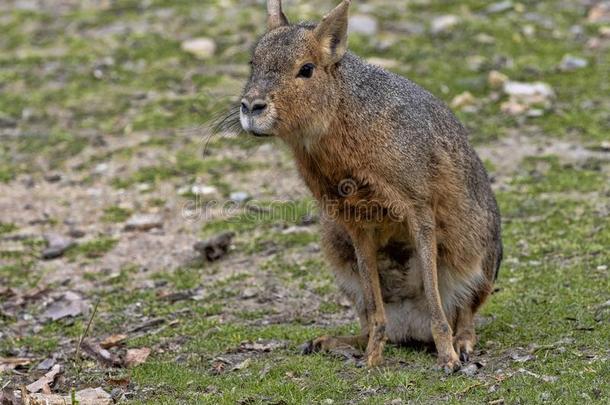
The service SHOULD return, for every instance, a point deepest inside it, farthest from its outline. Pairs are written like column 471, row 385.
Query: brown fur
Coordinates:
column 409, row 222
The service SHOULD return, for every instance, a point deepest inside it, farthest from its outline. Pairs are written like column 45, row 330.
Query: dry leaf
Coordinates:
column 45, row 380
column 219, row 365
column 10, row 363
column 135, row 357
column 112, row 341
column 89, row 396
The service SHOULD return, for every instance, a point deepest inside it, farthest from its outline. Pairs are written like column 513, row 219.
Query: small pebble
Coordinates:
column 496, row 79
column 463, row 100
column 499, row 7
column 56, row 246
column 52, row 177
column 239, row 196
column 443, row 23
column 570, row 63
column 470, row 370
column 201, row 48
column 143, row 222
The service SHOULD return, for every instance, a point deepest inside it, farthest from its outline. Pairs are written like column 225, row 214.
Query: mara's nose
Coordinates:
column 253, row 107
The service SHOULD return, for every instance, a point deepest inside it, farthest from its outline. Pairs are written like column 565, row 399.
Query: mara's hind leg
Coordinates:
column 340, row 252
column 327, row 343
column 465, row 336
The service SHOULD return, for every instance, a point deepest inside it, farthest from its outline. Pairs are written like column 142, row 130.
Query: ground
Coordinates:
column 104, row 117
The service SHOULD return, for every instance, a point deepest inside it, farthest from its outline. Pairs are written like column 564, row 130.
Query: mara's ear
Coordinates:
column 331, row 33
column 275, row 15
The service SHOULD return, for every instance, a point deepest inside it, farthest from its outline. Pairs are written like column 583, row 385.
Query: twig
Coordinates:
column 84, row 335
column 465, row 390
column 88, row 326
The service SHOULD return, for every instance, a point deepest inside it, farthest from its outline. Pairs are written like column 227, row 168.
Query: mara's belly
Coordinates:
column 406, row 307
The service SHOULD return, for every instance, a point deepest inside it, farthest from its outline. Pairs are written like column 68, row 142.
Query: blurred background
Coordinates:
column 108, row 166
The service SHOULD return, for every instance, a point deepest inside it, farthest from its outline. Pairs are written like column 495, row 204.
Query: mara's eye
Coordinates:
column 306, row 70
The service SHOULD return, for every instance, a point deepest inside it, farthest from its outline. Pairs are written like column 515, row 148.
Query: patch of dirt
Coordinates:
column 507, row 154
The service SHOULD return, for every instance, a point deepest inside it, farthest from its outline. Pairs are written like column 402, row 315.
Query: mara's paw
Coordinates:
column 464, row 346
column 322, row 344
column 449, row 363
column 374, row 354
column 374, row 359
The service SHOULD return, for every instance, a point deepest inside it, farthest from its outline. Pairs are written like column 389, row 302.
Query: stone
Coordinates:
column 201, row 48
column 363, row 24
column 204, row 191
column 496, row 79
column 56, row 246
column 88, row 396
column 463, row 100
column 470, row 370
column 239, row 196
column 499, row 7
column 70, row 304
column 570, row 63
column 538, row 93
column 143, row 222
column 52, row 177
column 101, row 168
column 486, row 39
column 513, row 108
column 443, row 23
column 599, row 13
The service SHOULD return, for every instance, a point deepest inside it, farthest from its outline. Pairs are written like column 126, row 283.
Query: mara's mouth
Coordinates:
column 259, row 134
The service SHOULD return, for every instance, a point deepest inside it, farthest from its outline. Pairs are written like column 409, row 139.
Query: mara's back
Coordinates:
column 420, row 146
column 418, row 127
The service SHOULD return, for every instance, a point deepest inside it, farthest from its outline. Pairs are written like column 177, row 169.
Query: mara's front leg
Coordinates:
column 441, row 330
column 366, row 248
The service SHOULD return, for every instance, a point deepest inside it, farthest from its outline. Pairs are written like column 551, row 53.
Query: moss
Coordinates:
column 93, row 249
column 6, row 173
column 7, row 227
column 116, row 214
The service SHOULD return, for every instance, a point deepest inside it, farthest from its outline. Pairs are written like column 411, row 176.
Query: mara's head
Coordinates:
column 292, row 90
